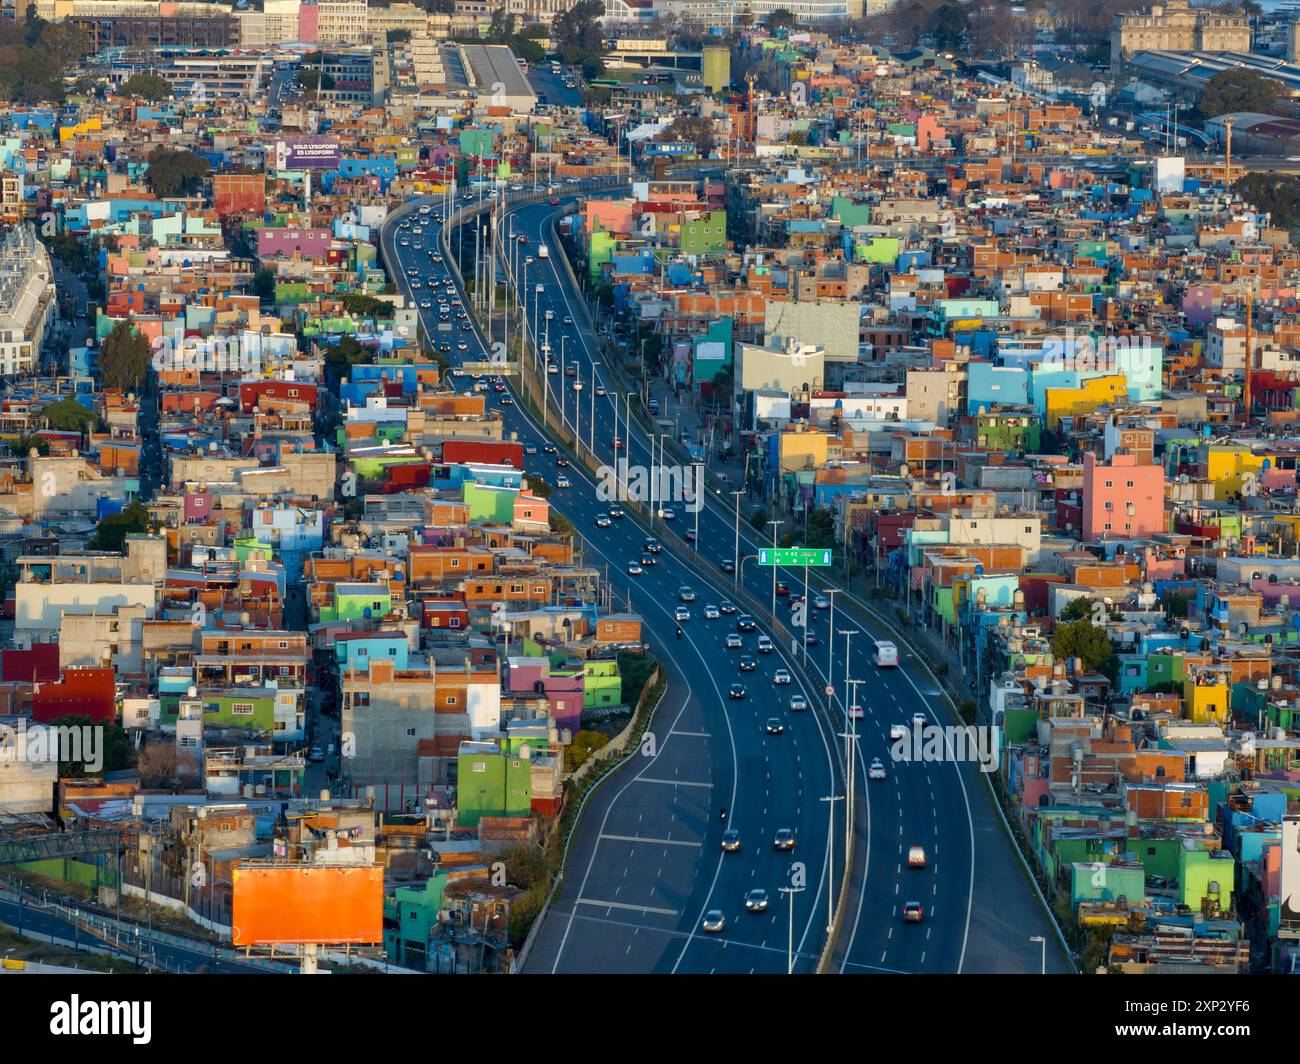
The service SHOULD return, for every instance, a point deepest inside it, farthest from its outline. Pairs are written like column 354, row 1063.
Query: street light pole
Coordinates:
column 790, row 892
column 830, row 801
column 775, row 525
column 1042, row 942
column 736, row 576
column 699, row 503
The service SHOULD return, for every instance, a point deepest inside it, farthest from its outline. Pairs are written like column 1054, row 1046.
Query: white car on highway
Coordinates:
column 781, row 676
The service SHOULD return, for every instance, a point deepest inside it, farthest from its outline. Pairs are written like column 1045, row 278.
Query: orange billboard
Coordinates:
column 295, row 904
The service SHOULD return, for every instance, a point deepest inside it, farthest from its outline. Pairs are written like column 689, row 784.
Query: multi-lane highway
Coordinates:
column 647, row 863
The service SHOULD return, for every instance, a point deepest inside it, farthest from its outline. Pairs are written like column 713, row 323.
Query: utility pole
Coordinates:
column 1228, row 123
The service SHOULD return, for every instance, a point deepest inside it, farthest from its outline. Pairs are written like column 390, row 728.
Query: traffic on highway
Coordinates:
column 744, row 790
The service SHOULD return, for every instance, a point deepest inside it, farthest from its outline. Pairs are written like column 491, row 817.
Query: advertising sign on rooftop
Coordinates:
column 307, row 153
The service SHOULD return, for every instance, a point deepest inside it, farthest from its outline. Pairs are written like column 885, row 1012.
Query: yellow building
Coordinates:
column 1227, row 464
column 716, row 67
column 1076, row 402
column 803, row 448
column 1206, row 702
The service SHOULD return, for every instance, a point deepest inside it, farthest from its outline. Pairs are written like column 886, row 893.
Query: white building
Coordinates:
column 27, row 303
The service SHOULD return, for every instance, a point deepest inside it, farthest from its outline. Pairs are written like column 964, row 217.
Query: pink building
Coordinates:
column 285, row 243
column 564, row 691
column 1122, row 500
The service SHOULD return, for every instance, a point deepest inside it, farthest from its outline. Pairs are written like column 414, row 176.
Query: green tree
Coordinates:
column 114, row 751
column 1084, row 640
column 23, row 445
column 264, row 284
column 175, row 172
column 577, row 33
column 523, row 911
column 348, row 352
column 68, row 415
column 579, row 751
column 1076, row 610
column 147, row 87
column 527, row 49
column 124, row 357
column 1277, row 194
column 362, row 305
column 1238, row 89
column 561, row 525
column 635, row 670
column 399, row 36
column 538, row 486
column 781, row 19
column 111, row 532
column 313, row 81
column 692, row 129
column 526, row 865
column 948, row 26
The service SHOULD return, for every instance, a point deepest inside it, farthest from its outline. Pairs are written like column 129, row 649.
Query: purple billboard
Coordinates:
column 307, row 153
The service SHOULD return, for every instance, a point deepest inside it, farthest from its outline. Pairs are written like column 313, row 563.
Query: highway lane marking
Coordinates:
column 626, row 905
column 674, row 933
column 697, row 735
column 672, row 783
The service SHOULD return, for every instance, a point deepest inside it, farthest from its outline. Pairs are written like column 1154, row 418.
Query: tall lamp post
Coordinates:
column 736, row 495
column 775, row 525
column 790, row 892
column 1042, row 942
column 830, row 800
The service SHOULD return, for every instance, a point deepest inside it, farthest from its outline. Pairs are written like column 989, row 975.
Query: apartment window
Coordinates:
column 1110, row 483
column 516, row 589
column 284, row 645
column 410, row 732
column 361, row 698
column 453, row 622
column 1107, row 526
column 451, row 700
column 454, row 563
column 212, row 707
column 362, row 652
column 1130, row 483
column 241, row 709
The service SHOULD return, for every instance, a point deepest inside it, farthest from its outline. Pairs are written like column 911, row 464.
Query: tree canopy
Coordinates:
column 111, row 532
column 1230, row 91
column 147, row 87
column 1084, row 640
column 68, row 415
column 124, row 357
column 175, row 172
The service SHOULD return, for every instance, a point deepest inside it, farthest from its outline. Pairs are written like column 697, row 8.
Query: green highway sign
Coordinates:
column 793, row 556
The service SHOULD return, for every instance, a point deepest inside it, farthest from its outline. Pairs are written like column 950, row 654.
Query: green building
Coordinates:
column 253, row 709
column 410, row 916
column 491, row 783
column 602, row 685
column 1107, row 882
column 705, row 236
column 353, row 600
column 489, row 503
column 1202, row 873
